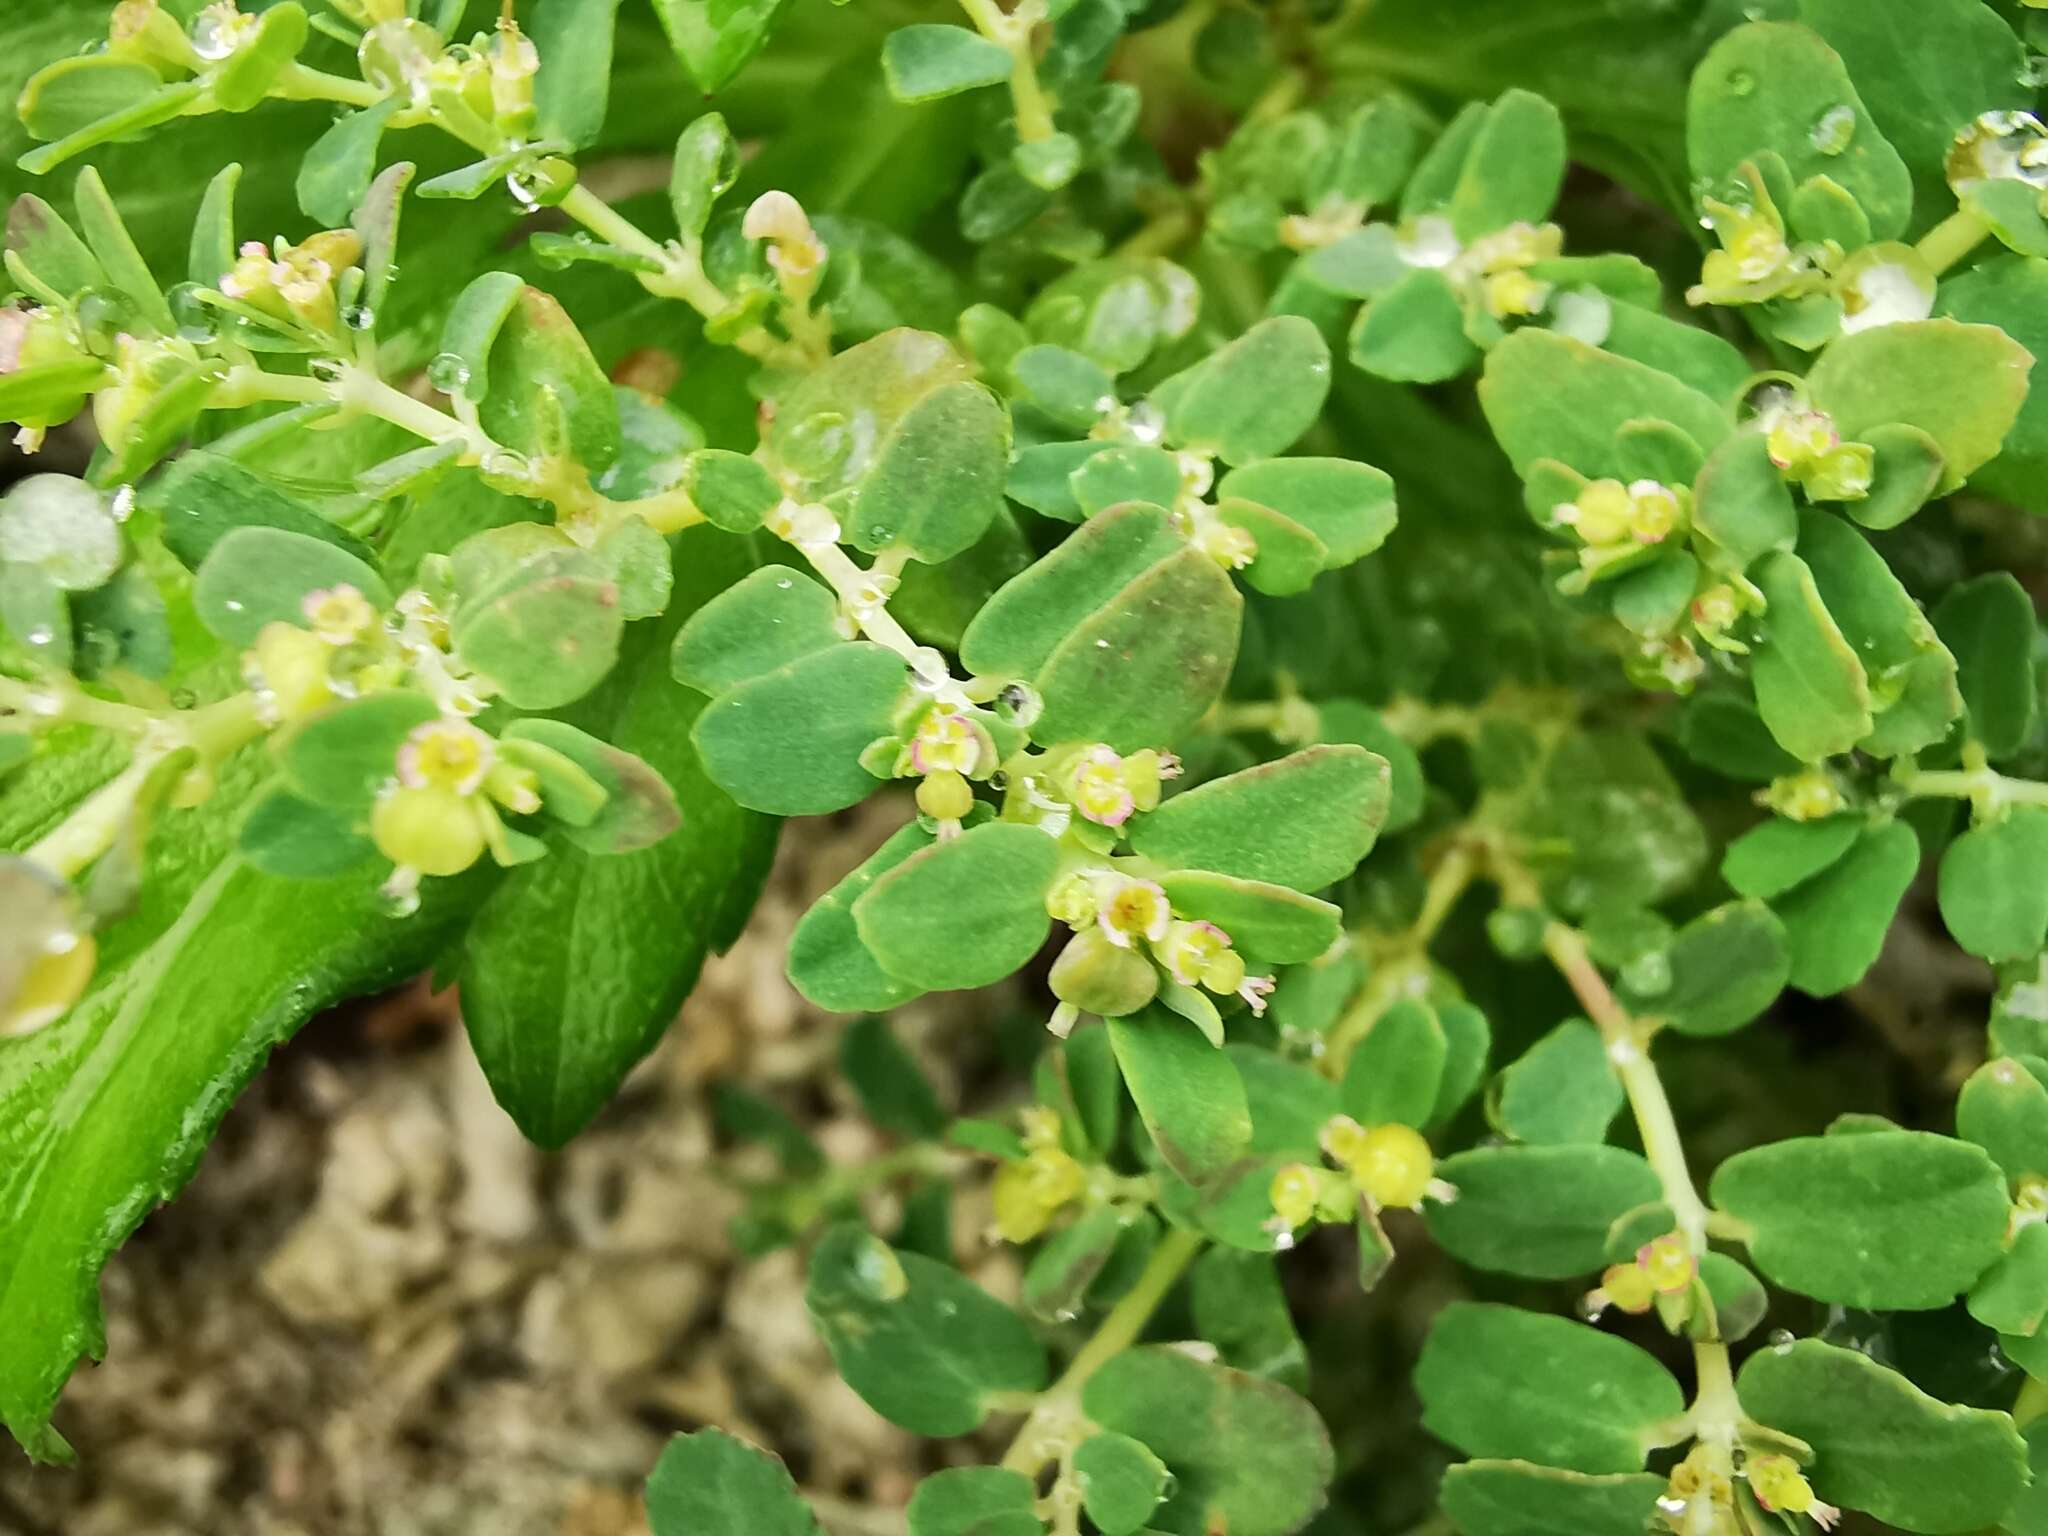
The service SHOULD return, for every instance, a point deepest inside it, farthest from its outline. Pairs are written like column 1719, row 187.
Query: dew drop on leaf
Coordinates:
column 1833, row 130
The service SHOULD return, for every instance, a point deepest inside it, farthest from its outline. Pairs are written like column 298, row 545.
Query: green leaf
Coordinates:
column 1542, row 1212
column 1992, row 897
column 938, row 481
column 1145, row 667
column 1513, row 170
column 2010, row 293
column 286, row 836
column 1269, row 923
column 716, row 38
column 709, row 1484
column 1771, row 859
column 776, row 616
column 1188, row 1093
column 827, row 962
column 1838, row 919
column 1724, row 732
column 70, row 95
column 2003, row 1108
column 1305, row 820
column 1549, row 397
column 547, row 635
column 1348, row 506
column 926, row 61
column 1961, row 384
column 574, row 40
column 203, row 495
column 343, row 755
column 1810, row 687
column 547, row 395
column 1689, row 353
column 1500, row 1382
column 255, row 575
column 1561, row 1090
column 1764, row 88
column 1110, row 476
column 1255, row 397
column 1519, row 1498
column 1239, row 1307
column 1413, row 331
column 184, row 955
column 565, row 985
column 1247, row 1455
column 789, row 741
column 1726, row 966
column 1017, row 631
column 707, row 164
column 974, row 1501
column 1607, row 825
column 923, row 1345
column 831, row 428
column 1122, row 1482
column 892, row 1088
column 335, row 176
column 1988, row 624
column 962, row 913
column 1883, row 1446
column 2012, row 1296
column 1067, row 1264
column 471, row 330
column 1912, row 676
column 1396, row 1071
column 100, row 223
column 1741, row 501
column 49, row 250
column 1892, row 1220
column 1920, row 110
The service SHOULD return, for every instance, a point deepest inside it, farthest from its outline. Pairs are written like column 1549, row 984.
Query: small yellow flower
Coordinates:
column 1779, row 1485
column 1134, row 909
column 1625, row 1286
column 1391, row 1164
column 1230, row 547
column 1296, row 1194
column 1667, row 1263
column 945, row 796
column 1806, row 796
column 1099, row 789
column 430, row 829
column 1601, row 514
column 1074, row 900
column 287, row 671
column 1191, row 950
column 1513, row 294
column 949, row 741
column 1031, row 1191
column 445, row 754
column 340, row 615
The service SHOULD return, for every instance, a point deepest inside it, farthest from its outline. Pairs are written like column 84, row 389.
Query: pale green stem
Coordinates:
column 90, row 829
column 1056, row 1424
column 1984, row 788
column 299, row 82
column 1638, row 1074
column 1952, row 239
column 1011, row 32
column 1406, row 960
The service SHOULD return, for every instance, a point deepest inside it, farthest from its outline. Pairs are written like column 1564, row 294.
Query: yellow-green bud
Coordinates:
column 944, row 796
column 433, row 829
column 1103, row 978
column 287, row 670
column 1392, row 1166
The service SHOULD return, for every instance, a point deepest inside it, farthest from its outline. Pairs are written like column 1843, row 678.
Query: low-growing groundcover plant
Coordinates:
column 1435, row 558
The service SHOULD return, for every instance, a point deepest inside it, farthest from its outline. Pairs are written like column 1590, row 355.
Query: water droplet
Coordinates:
column 813, row 527
column 1781, row 1341
column 183, row 698
column 1648, row 973
column 2034, row 72
column 928, row 669
column 1591, row 1307
column 1020, row 704
column 216, row 32
column 523, row 196
column 359, row 317
column 449, row 373
column 1834, row 129
column 879, row 1273
column 123, row 504
column 1741, row 82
